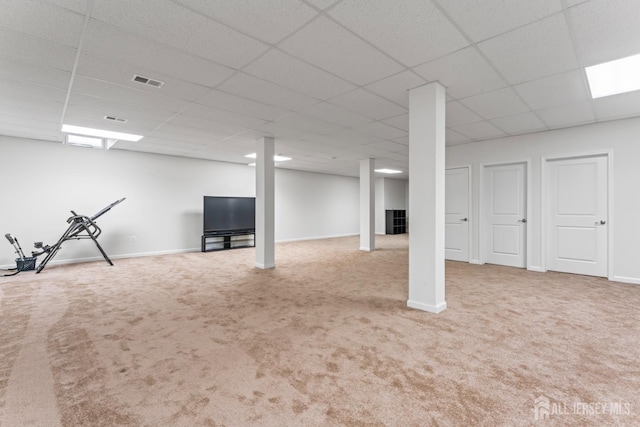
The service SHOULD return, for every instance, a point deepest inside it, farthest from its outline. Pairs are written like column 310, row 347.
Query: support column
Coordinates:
column 367, row 206
column 265, row 218
column 426, row 197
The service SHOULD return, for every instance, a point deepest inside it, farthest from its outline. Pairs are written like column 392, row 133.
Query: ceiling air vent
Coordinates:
column 147, row 81
column 115, row 119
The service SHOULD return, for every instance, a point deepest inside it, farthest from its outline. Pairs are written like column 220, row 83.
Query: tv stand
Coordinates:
column 222, row 240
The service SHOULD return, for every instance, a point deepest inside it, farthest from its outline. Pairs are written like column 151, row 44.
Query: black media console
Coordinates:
column 221, row 240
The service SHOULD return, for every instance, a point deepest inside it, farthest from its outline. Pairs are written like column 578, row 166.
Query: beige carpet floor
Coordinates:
column 205, row 339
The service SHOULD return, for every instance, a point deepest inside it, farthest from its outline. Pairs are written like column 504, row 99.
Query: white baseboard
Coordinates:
column 537, row 269
column 435, row 309
column 632, row 280
column 302, row 239
column 476, row 262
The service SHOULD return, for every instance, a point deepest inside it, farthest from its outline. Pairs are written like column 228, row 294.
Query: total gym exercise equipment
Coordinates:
column 23, row 263
column 79, row 224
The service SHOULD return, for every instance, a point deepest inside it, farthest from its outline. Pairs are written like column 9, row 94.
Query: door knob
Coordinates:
column 464, row 219
column 522, row 220
column 602, row 222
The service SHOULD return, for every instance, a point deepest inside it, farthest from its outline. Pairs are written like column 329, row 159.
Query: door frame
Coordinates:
column 544, row 196
column 483, row 238
column 469, row 205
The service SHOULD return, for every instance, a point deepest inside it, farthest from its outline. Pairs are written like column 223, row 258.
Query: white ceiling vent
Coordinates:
column 115, row 119
column 147, row 81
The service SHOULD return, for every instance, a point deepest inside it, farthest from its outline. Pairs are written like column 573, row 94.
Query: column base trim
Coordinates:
column 264, row 266
column 429, row 308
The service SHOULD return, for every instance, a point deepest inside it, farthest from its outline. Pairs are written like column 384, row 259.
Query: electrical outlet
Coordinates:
column 133, row 237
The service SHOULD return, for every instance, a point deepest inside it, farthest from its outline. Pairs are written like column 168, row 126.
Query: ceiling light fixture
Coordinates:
column 78, row 130
column 390, row 171
column 277, row 157
column 614, row 77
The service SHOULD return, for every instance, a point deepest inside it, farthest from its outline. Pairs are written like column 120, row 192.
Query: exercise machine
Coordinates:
column 80, row 227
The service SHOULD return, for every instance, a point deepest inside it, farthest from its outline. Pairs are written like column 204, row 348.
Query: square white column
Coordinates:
column 427, row 197
column 265, row 218
column 367, row 205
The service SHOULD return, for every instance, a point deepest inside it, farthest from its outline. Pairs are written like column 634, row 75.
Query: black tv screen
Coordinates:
column 227, row 214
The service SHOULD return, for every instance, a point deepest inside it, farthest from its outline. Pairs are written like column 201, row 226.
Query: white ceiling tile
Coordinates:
column 457, row 114
column 134, row 124
column 420, row 31
column 386, row 146
column 13, row 90
column 400, row 122
column 30, row 132
column 352, row 137
column 42, row 109
column 78, row 6
column 119, row 109
column 101, row 89
column 368, row 105
column 42, row 20
column 538, row 50
column 121, row 73
column 464, row 73
column 10, row 120
column 565, row 88
column 503, row 102
column 270, row 21
column 567, row 114
column 15, row 69
column 36, row 51
column 209, row 126
column 109, row 42
column 520, row 123
column 571, row 3
column 182, row 28
column 236, row 104
column 618, row 106
column 396, row 88
column 298, row 121
column 404, row 141
column 283, row 69
column 262, row 91
column 138, row 127
column 322, row 4
column 381, row 130
column 332, row 48
column 453, row 138
column 334, row 114
column 487, row 18
column 479, row 131
column 606, row 30
column 218, row 115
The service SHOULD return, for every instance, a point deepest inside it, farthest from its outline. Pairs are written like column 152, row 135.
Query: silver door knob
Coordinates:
column 522, row 220
column 464, row 219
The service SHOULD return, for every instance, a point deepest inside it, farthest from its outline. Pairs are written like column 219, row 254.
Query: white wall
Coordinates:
column 622, row 138
column 41, row 182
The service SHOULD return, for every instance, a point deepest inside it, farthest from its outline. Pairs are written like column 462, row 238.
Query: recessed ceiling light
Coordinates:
column 78, row 130
column 251, row 164
column 388, row 171
column 277, row 157
column 614, row 77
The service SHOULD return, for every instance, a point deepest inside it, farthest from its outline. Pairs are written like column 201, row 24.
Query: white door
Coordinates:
column 577, row 216
column 456, row 231
column 505, row 214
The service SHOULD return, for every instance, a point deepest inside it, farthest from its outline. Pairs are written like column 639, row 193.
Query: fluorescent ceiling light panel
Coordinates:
column 277, row 157
column 614, row 77
column 388, row 171
column 78, row 130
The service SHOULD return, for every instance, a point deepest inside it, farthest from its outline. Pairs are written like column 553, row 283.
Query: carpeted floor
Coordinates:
column 205, row 339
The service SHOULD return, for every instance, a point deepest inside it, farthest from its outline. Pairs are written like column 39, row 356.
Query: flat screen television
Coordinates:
column 229, row 214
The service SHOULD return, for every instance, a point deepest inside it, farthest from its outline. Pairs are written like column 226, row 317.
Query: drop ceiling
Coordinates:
column 328, row 79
